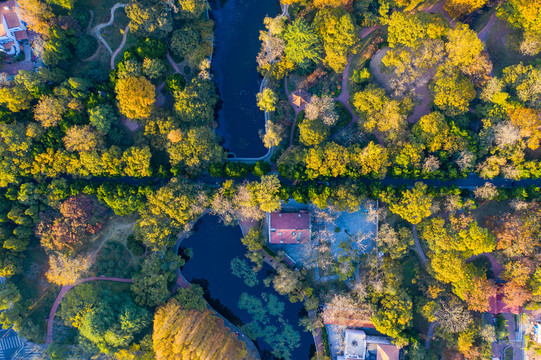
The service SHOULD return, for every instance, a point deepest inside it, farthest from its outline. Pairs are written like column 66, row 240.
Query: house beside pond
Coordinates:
column 289, row 227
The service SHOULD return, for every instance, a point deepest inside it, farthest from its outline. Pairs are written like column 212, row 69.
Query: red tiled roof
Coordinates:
column 388, row 352
column 7, row 45
column 498, row 306
column 289, row 228
column 21, row 35
column 12, row 20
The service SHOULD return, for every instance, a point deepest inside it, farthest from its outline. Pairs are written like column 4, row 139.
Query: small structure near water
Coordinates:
column 300, row 98
column 359, row 346
column 289, row 228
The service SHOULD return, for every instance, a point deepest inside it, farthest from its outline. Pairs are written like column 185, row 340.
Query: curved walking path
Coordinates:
column 418, row 247
column 97, row 29
column 429, row 334
column 484, row 32
column 120, row 47
column 63, row 291
column 173, row 63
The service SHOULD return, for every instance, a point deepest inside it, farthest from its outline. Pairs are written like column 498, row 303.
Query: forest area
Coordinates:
column 107, row 162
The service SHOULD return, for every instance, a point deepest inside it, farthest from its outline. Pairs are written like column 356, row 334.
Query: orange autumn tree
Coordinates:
column 194, row 335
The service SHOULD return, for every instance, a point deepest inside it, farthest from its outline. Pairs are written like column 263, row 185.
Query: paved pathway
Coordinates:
column 484, row 32
column 173, row 63
column 121, row 46
column 97, row 29
column 429, row 334
column 418, row 247
column 63, row 291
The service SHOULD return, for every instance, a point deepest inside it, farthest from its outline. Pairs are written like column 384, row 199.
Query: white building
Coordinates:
column 12, row 28
column 357, row 345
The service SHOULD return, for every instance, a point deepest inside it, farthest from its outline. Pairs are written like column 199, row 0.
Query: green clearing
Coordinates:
column 114, row 33
column 101, row 9
column 498, row 46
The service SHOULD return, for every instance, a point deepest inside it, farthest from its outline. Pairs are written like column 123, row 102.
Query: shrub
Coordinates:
column 135, row 246
column 86, row 46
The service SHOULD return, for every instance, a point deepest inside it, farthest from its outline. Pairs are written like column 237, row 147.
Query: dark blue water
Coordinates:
column 235, row 71
column 214, row 247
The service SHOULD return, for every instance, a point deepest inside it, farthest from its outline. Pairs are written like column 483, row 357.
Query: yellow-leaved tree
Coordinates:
column 136, row 96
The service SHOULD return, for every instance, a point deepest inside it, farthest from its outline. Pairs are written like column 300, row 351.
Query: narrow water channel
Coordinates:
column 243, row 298
column 235, row 71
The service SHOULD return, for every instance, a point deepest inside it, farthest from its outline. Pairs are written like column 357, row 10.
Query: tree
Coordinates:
column 322, row 108
column 191, row 298
column 302, row 43
column 185, row 40
column 394, row 315
column 411, row 29
column 463, row 46
column 379, row 111
column 529, row 123
column 195, row 150
column 414, row 205
column 37, row 14
column 266, row 100
column 102, row 117
column 153, row 68
column 16, row 98
column 64, row 270
column 336, row 28
column 435, row 134
column 193, row 9
column 523, row 15
column 192, row 334
column 71, row 227
column 109, row 320
column 9, row 295
column 313, row 132
column 452, row 91
column 273, row 135
column 458, row 8
column 150, row 285
column 82, row 138
column 328, row 161
column 136, row 96
column 150, row 18
column 195, row 104
column 259, row 197
column 49, row 110
column 287, row 282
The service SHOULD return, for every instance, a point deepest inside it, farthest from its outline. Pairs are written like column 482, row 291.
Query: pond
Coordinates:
column 235, row 71
column 242, row 297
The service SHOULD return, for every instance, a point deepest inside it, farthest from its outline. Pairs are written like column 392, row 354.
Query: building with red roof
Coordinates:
column 289, row 228
column 12, row 28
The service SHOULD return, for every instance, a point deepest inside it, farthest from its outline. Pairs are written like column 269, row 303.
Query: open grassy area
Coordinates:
column 500, row 41
column 113, row 34
column 101, row 9
column 33, row 285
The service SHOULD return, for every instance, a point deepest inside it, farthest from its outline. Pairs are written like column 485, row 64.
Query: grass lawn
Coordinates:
column 101, row 9
column 489, row 209
column 501, row 54
column 113, row 34
column 482, row 20
column 33, row 285
column 81, row 68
